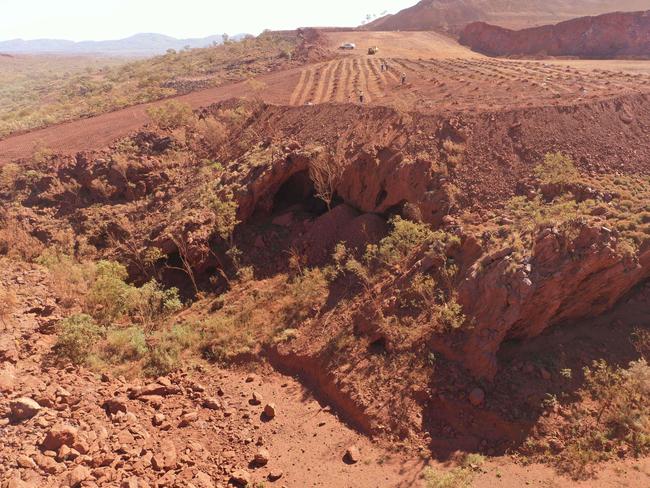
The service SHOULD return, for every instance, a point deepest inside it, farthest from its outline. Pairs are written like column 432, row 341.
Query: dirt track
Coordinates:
column 441, row 76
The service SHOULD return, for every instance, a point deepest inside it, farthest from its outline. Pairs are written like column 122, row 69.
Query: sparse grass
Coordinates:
column 611, row 421
column 454, row 152
column 454, row 478
column 124, row 345
column 168, row 349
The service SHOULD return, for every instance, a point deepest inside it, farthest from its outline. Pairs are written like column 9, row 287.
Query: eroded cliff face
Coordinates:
column 564, row 279
column 606, row 36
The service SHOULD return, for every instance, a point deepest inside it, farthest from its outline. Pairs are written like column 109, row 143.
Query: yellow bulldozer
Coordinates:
column 373, row 50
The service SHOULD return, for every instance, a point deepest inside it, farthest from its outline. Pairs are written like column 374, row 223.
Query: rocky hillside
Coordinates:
column 606, row 36
column 453, row 15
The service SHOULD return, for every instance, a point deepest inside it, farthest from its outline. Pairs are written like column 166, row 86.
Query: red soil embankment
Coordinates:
column 606, row 36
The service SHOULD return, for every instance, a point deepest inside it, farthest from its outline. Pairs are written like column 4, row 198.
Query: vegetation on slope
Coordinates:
column 37, row 91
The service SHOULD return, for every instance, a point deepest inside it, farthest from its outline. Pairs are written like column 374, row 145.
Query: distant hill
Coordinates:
column 137, row 45
column 619, row 34
column 453, row 15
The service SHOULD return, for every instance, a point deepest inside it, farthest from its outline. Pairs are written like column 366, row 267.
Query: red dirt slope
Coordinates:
column 606, row 36
column 455, row 14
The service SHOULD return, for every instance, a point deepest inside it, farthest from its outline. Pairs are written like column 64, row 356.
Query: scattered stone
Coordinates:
column 77, row 476
column 166, row 458
column 8, row 350
column 16, row 482
column 156, row 389
column 158, row 419
column 7, row 379
column 256, row 399
column 262, row 457
column 477, row 397
column 25, row 462
column 23, row 409
column 352, row 455
column 114, row 405
column 47, row 464
column 240, row 477
column 188, row 419
column 130, row 483
column 212, row 404
column 275, row 475
column 59, row 435
column 203, row 480
column 269, row 411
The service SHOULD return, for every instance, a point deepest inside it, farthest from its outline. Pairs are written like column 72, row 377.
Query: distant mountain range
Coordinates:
column 137, row 45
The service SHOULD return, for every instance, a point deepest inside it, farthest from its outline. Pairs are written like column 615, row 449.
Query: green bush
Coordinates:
column 162, row 359
column 109, row 294
column 557, row 169
column 450, row 316
column 124, row 345
column 78, row 335
column 151, row 302
column 404, row 238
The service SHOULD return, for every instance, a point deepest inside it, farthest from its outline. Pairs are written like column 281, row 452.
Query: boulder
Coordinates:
column 23, row 409
column 352, row 455
column 59, row 435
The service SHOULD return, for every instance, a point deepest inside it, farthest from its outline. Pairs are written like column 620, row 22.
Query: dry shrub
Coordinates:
column 8, row 175
column 172, row 115
column 69, row 279
column 77, row 336
column 641, row 342
column 214, row 135
column 16, row 242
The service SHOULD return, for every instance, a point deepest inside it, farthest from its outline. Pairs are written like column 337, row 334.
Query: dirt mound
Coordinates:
column 606, row 36
column 453, row 15
column 312, row 46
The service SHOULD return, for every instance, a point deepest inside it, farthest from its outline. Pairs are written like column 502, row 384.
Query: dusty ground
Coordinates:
column 306, row 440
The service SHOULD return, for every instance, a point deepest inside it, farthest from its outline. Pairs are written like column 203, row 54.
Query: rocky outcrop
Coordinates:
column 606, row 36
column 565, row 279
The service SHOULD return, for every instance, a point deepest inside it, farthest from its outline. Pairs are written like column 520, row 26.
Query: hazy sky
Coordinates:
column 111, row 19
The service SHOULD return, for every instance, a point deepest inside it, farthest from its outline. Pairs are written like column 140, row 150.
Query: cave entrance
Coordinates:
column 298, row 190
